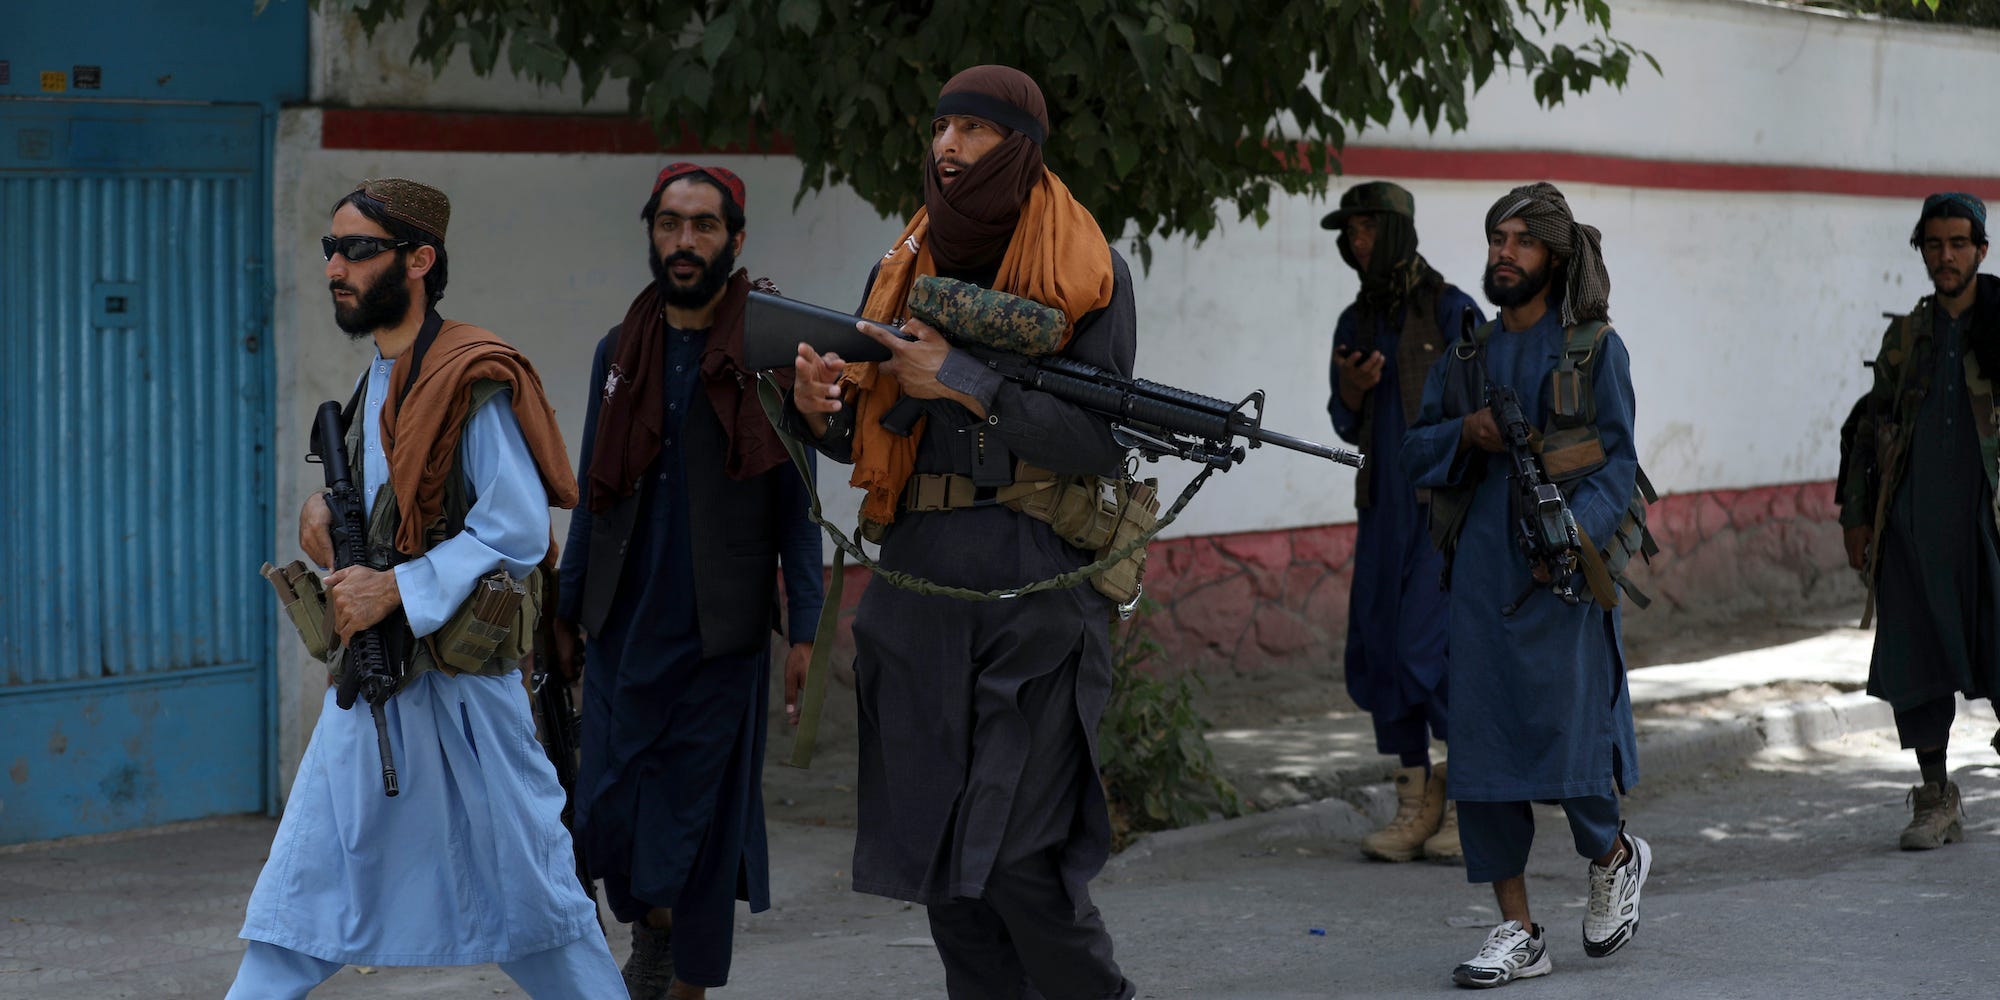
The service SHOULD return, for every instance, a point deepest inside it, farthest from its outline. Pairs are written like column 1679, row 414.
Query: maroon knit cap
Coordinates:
column 727, row 178
column 972, row 223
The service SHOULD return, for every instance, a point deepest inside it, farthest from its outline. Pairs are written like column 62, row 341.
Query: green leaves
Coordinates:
column 1157, row 768
column 1161, row 110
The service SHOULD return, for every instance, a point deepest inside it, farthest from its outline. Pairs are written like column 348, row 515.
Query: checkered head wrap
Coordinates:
column 1587, row 290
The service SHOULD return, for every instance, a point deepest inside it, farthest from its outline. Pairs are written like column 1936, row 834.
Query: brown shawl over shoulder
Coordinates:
column 421, row 435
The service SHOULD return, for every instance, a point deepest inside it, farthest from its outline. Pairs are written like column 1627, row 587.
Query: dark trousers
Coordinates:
column 1496, row 835
column 1026, row 940
column 1927, row 726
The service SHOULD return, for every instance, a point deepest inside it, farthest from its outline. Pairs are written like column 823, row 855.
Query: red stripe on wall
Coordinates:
column 461, row 132
column 1676, row 175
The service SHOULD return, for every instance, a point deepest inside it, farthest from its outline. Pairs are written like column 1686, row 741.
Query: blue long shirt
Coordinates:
column 1540, row 708
column 469, row 863
column 1395, row 655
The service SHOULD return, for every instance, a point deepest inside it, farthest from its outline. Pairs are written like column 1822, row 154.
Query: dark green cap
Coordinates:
column 1372, row 197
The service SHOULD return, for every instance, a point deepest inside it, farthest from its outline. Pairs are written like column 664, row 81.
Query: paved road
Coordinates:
column 1778, row 878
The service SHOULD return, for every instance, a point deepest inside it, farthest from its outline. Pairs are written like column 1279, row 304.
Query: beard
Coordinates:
column 1531, row 284
column 384, row 304
column 1952, row 285
column 714, row 274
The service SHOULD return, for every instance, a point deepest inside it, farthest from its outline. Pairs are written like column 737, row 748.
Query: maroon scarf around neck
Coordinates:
column 632, row 418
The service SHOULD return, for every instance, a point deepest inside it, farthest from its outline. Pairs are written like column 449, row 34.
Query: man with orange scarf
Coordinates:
column 979, row 794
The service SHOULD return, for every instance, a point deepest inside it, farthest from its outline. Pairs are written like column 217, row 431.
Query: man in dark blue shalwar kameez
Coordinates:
column 1540, row 707
column 1398, row 326
column 691, row 504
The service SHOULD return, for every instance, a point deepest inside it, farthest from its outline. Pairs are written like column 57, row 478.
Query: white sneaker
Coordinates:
column 1510, row 953
column 1613, row 917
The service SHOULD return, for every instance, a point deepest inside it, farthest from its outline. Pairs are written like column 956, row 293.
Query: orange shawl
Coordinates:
column 1058, row 257
column 433, row 417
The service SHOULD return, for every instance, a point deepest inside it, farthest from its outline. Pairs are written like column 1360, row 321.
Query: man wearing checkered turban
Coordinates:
column 1540, row 708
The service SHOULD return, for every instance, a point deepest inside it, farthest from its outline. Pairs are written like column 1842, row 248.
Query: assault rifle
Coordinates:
column 1544, row 527
column 1153, row 418
column 561, row 725
column 374, row 664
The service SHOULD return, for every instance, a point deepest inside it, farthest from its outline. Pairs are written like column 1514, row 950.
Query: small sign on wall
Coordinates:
column 88, row 77
column 53, row 81
column 6, row 73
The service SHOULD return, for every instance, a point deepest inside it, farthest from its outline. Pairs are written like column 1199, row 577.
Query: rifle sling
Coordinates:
column 773, row 403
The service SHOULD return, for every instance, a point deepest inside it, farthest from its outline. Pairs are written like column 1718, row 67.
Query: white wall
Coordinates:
column 1747, row 315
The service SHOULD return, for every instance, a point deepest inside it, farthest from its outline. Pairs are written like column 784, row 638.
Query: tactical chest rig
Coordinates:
column 488, row 634
column 1569, row 446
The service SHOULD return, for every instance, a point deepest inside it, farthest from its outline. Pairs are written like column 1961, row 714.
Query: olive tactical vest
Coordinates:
column 1419, row 347
column 1570, row 447
column 383, row 520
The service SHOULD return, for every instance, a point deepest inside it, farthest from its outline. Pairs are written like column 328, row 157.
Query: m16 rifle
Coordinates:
column 374, row 660
column 1544, row 527
column 1156, row 420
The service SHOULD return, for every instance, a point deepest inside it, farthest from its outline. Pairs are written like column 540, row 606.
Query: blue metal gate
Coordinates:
column 134, row 423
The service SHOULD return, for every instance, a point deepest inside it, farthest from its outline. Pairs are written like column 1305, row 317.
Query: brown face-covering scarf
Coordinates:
column 1053, row 252
column 1587, row 294
column 1394, row 265
column 972, row 222
column 632, row 418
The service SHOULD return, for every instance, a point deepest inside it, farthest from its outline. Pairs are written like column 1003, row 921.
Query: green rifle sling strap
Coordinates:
column 774, row 405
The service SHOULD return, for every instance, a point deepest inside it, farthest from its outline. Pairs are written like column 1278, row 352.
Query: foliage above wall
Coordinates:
column 1163, row 109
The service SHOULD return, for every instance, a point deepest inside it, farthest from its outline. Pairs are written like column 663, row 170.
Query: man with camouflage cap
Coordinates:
column 468, row 863
column 1922, row 526
column 1540, row 708
column 1395, row 330
column 979, row 793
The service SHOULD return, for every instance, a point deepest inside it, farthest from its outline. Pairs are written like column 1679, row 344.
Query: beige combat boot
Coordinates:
column 1442, row 846
column 1419, row 809
column 1936, row 822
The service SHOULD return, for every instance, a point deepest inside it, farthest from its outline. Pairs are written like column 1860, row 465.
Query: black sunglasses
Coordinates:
column 358, row 248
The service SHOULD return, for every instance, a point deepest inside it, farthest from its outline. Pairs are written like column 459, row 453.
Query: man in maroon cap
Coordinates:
column 690, row 503
column 978, row 787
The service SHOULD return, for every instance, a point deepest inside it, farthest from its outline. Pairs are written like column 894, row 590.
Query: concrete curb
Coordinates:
column 1667, row 749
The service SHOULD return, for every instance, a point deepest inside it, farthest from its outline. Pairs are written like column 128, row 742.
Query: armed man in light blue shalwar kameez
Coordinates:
column 469, row 863
column 1540, row 710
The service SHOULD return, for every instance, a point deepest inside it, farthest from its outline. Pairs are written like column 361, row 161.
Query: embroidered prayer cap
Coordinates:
column 1951, row 205
column 1372, row 197
column 1002, row 95
column 420, row 205
column 731, row 183
column 1943, row 203
column 1587, row 292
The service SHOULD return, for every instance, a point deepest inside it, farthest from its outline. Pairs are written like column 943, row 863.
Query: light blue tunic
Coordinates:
column 1540, row 708
column 470, row 863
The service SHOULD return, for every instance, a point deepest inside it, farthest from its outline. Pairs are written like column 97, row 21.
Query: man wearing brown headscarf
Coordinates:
column 1540, row 707
column 459, row 458
column 979, row 794
column 692, row 504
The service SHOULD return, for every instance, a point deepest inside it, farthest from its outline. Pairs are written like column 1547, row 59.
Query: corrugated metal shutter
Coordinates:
column 133, row 628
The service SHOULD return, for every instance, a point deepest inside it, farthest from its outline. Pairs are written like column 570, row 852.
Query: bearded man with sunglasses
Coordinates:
column 459, row 458
column 692, row 503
